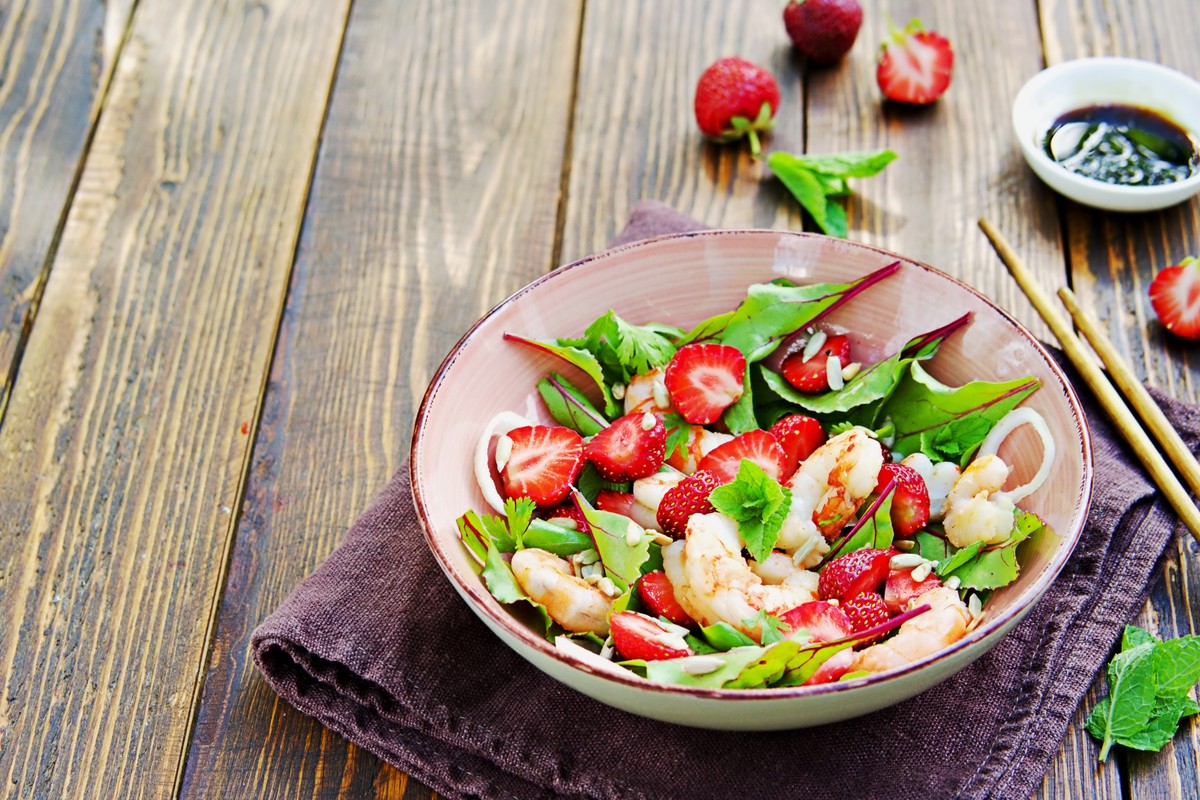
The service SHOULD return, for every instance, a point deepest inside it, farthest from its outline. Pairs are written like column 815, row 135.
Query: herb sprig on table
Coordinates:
column 1148, row 685
column 814, row 180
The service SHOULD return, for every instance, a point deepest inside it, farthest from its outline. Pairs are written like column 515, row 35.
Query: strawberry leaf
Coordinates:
column 758, row 503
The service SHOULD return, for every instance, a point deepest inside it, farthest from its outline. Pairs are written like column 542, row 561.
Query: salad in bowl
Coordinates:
column 829, row 473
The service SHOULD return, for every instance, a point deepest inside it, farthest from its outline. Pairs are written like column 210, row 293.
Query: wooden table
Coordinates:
column 237, row 237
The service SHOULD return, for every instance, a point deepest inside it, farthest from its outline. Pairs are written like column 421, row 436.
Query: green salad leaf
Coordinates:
column 624, row 350
column 758, row 503
column 978, row 566
column 948, row 423
column 569, row 406
column 812, row 180
column 1148, row 685
column 623, row 545
column 585, row 360
column 545, row 535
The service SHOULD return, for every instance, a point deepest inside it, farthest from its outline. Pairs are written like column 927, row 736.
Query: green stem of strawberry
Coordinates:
column 755, row 145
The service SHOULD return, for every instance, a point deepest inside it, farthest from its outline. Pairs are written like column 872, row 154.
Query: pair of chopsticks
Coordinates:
column 1108, row 396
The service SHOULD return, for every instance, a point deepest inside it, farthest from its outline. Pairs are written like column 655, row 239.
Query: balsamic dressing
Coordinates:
column 1123, row 145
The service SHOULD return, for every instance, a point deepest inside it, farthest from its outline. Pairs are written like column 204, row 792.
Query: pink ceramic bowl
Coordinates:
column 680, row 280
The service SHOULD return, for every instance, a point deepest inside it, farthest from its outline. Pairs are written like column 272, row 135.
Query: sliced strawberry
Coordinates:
column 1175, row 297
column 910, row 502
column 866, row 610
column 616, row 502
column 545, row 461
column 705, row 379
column 833, row 669
column 689, row 497
column 759, row 446
column 825, row 622
column 812, row 375
column 799, row 436
column 854, row 573
column 630, row 448
column 915, row 65
column 901, row 588
column 658, row 594
column 636, row 635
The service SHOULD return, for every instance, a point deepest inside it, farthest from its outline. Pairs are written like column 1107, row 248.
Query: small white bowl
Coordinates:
column 1105, row 81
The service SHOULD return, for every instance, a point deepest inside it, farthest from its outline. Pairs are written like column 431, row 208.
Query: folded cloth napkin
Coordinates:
column 377, row 646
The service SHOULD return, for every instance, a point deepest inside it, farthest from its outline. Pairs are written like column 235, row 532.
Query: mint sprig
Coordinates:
column 758, row 503
column 815, row 179
column 1148, row 685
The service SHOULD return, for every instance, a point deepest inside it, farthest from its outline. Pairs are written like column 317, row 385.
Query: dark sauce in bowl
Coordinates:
column 1123, row 145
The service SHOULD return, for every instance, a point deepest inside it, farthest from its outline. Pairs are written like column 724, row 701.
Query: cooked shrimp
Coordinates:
column 571, row 602
column 845, row 469
column 942, row 625
column 800, row 537
column 700, row 442
column 976, row 508
column 939, row 479
column 647, row 392
column 714, row 583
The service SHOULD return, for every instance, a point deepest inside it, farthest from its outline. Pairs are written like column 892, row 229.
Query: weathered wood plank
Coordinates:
column 635, row 134
column 125, row 444
column 1113, row 258
column 56, row 58
column 431, row 202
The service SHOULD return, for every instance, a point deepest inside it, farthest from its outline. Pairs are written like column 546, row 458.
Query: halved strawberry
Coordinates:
column 825, row 622
column 705, row 379
column 758, row 445
column 630, row 448
column 1175, row 297
column 656, row 592
column 910, row 502
column 545, row 461
column 636, row 635
column 833, row 669
column 854, row 573
column 866, row 610
column 915, row 65
column 799, row 436
column 812, row 375
column 571, row 511
column 900, row 588
column 689, row 497
column 626, row 505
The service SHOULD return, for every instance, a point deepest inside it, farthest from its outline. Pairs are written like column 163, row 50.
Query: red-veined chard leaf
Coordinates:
column 623, row 545
column 577, row 357
column 569, row 406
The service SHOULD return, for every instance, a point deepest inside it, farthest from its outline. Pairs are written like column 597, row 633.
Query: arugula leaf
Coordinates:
column 625, row 350
column 772, row 312
column 949, row 423
column 812, row 180
column 569, row 407
column 610, row 534
column 577, row 357
column 758, row 503
column 1148, row 685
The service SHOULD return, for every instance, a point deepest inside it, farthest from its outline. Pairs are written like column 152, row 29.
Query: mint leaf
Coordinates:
column 569, row 406
column 1148, row 685
column 814, row 179
column 948, row 423
column 804, row 186
column 861, row 164
column 758, row 503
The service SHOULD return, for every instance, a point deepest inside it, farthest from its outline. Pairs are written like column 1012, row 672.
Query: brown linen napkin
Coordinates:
column 377, row 646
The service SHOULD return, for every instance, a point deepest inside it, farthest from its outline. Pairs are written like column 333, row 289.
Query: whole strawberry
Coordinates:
column 823, row 30
column 915, row 65
column 735, row 98
column 1175, row 296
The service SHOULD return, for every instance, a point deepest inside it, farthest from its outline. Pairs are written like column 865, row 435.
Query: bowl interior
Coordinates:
column 1085, row 82
column 683, row 279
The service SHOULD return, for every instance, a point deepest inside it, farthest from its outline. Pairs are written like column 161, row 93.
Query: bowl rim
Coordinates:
column 471, row 586
column 1024, row 117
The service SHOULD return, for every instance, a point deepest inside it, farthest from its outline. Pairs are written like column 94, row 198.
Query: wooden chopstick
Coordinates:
column 1135, row 392
column 1093, row 376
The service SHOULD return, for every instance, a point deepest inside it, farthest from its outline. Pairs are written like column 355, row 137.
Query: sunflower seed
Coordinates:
column 904, row 544
column 922, row 572
column 850, row 370
column 649, row 421
column 618, row 391
column 661, row 398
column 702, row 665
column 814, row 344
column 585, row 557
column 953, row 582
column 974, row 605
column 661, row 539
column 833, row 373
column 905, row 560
column 607, row 586
column 504, row 446
column 633, row 534
column 564, row 522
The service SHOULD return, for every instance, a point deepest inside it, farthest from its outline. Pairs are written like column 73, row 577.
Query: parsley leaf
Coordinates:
column 1148, row 685
column 625, row 350
column 758, row 503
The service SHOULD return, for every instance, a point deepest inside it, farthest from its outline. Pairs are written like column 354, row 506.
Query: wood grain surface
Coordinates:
column 125, row 445
column 56, row 58
column 432, row 202
column 1112, row 259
